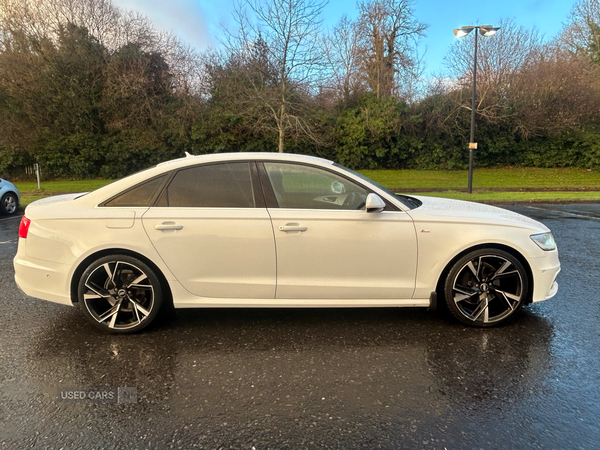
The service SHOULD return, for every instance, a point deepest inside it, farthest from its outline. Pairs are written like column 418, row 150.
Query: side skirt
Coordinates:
column 300, row 303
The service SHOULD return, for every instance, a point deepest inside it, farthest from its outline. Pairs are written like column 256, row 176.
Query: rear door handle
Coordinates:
column 291, row 227
column 168, row 226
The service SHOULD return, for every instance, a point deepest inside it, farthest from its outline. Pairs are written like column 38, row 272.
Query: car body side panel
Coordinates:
column 199, row 302
column 46, row 261
column 218, row 252
column 62, row 240
column 345, row 254
column 441, row 241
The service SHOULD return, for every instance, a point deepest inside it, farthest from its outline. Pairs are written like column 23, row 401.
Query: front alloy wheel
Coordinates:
column 120, row 294
column 486, row 287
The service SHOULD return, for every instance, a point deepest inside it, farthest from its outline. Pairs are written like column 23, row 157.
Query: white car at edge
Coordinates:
column 276, row 230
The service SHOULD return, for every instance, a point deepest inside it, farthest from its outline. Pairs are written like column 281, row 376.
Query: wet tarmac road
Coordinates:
column 348, row 378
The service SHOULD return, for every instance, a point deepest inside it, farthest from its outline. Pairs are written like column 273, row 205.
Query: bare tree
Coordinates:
column 410, row 85
column 532, row 88
column 287, row 30
column 556, row 91
column 500, row 59
column 112, row 26
column 341, row 48
column 387, row 32
column 581, row 34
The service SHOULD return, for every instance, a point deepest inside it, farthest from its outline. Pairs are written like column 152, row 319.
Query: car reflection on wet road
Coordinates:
column 292, row 378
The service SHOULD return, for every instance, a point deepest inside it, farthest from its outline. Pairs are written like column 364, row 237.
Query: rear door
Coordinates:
column 211, row 228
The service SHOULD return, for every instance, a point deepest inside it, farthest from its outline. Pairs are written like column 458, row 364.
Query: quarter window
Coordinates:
column 306, row 187
column 141, row 195
column 211, row 186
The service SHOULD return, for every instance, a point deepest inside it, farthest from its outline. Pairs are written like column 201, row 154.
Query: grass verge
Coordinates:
column 509, row 178
column 59, row 187
column 577, row 184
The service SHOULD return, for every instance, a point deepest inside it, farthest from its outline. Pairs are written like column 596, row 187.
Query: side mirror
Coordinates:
column 374, row 203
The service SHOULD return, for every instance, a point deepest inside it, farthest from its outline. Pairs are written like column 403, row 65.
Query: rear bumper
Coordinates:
column 42, row 279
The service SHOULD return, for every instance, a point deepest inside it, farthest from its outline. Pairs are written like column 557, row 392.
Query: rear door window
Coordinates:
column 227, row 185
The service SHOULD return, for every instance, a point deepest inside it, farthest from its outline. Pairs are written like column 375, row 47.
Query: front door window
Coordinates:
column 305, row 187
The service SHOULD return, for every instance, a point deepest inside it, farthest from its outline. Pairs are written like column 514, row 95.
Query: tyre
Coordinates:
column 120, row 294
column 9, row 203
column 486, row 287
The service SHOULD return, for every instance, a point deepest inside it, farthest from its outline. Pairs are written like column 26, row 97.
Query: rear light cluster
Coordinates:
column 24, row 227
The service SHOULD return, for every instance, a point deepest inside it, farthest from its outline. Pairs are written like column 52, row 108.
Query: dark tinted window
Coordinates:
column 141, row 195
column 214, row 185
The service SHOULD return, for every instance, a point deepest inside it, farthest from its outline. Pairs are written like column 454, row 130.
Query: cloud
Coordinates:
column 188, row 19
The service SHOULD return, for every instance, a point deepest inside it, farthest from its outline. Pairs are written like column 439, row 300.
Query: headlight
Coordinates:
column 545, row 241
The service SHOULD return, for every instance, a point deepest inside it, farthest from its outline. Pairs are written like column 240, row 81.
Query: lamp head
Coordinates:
column 463, row 31
column 488, row 30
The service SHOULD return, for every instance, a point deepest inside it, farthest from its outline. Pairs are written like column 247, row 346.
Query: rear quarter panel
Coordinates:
column 72, row 233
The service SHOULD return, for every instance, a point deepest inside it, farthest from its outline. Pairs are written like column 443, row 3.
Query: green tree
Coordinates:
column 373, row 134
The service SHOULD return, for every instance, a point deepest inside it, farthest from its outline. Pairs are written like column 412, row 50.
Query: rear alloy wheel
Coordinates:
column 486, row 287
column 9, row 203
column 120, row 294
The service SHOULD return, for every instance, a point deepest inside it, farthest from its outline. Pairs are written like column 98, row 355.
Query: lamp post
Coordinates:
column 485, row 30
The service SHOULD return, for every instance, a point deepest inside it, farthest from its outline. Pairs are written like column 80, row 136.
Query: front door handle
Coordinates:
column 168, row 226
column 292, row 227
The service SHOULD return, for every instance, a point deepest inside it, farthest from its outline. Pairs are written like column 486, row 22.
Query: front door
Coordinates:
column 329, row 247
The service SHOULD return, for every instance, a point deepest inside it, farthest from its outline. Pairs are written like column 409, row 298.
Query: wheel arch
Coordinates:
column 119, row 251
column 9, row 191
column 439, row 289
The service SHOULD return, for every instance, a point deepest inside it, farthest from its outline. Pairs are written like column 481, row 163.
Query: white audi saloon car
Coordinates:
column 276, row 230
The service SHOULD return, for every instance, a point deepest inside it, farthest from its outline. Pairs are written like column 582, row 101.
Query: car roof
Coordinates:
column 193, row 159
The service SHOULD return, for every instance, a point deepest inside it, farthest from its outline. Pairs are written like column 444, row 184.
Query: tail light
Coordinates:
column 24, row 227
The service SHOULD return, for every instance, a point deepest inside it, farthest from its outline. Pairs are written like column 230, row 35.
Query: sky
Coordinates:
column 200, row 22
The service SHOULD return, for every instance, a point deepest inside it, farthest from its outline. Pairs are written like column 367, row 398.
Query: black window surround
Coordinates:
column 264, row 196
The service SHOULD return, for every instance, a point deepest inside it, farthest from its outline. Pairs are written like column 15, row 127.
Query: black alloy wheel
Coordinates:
column 486, row 287
column 120, row 294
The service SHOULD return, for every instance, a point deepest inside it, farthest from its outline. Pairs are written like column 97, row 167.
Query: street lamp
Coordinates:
column 485, row 30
